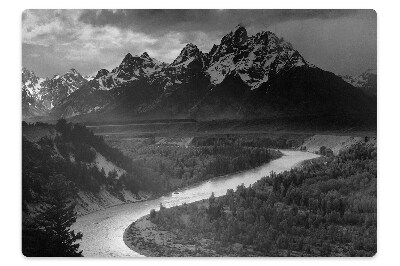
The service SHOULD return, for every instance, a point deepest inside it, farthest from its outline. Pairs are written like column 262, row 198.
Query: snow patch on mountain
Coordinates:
column 131, row 68
column 40, row 95
column 366, row 80
column 254, row 58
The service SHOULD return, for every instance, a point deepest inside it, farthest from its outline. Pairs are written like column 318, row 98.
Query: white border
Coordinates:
column 388, row 128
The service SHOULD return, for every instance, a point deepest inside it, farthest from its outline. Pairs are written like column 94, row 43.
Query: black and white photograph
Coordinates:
column 199, row 132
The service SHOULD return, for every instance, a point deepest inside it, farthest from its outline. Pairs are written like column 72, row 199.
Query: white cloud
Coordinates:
column 54, row 40
column 76, row 41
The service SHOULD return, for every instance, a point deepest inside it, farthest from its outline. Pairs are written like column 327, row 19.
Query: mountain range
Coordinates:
column 242, row 77
column 366, row 80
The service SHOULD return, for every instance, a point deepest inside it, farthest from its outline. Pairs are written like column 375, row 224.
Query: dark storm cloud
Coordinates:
column 341, row 41
column 159, row 21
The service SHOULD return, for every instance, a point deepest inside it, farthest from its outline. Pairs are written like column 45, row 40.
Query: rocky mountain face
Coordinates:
column 366, row 81
column 255, row 59
column 131, row 68
column 241, row 77
column 40, row 95
column 32, row 94
column 85, row 101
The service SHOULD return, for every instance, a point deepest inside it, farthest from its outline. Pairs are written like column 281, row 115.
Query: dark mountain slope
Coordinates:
column 244, row 77
column 85, row 101
column 298, row 92
column 133, row 97
column 225, row 101
column 307, row 90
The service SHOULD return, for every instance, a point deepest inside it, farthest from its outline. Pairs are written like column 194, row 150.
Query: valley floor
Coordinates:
column 154, row 240
column 88, row 202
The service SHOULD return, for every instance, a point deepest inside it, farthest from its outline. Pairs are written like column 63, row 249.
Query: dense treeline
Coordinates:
column 54, row 169
column 281, row 142
column 65, row 159
column 71, row 153
column 178, row 165
column 48, row 233
column 325, row 208
column 40, row 164
column 84, row 138
column 150, row 167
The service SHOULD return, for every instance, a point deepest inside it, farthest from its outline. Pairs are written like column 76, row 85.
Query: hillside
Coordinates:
column 326, row 207
column 106, row 173
column 97, row 173
column 367, row 81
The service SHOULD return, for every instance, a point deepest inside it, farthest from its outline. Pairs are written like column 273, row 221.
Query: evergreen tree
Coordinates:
column 49, row 234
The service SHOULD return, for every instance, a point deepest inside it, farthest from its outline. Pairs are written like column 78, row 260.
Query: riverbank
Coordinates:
column 129, row 237
column 271, row 218
column 148, row 239
column 88, row 202
column 104, row 230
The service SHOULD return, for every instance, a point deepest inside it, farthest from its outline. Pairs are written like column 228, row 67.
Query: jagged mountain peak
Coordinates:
column 189, row 53
column 129, row 63
column 190, row 46
column 370, row 71
column 41, row 94
column 145, row 55
column 72, row 75
column 26, row 73
column 137, row 61
column 132, row 67
column 73, row 71
column 128, row 57
column 101, row 72
column 26, row 70
column 190, row 49
column 367, row 81
column 271, row 40
column 239, row 26
column 250, row 62
column 237, row 37
column 239, row 30
column 255, row 58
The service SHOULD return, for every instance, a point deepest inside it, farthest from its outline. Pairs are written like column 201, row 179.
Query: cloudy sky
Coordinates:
column 53, row 41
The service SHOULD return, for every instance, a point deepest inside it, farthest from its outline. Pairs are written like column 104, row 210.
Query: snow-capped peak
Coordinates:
column 189, row 53
column 136, row 62
column 370, row 71
column 145, row 55
column 101, row 72
column 253, row 58
column 238, row 36
column 366, row 80
column 40, row 95
column 88, row 77
column 131, row 68
column 74, row 72
column 128, row 57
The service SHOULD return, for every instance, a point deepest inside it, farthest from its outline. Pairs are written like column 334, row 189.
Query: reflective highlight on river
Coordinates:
column 103, row 230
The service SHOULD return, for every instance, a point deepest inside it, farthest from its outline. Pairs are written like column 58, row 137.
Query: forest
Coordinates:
column 326, row 207
column 150, row 167
column 174, row 166
column 58, row 165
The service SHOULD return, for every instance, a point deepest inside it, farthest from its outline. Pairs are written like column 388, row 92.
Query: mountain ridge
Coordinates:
column 366, row 81
column 227, row 82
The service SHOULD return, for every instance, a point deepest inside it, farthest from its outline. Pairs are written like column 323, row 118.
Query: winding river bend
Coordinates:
column 103, row 230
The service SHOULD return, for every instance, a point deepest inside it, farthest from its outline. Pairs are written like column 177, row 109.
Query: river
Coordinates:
column 103, row 230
